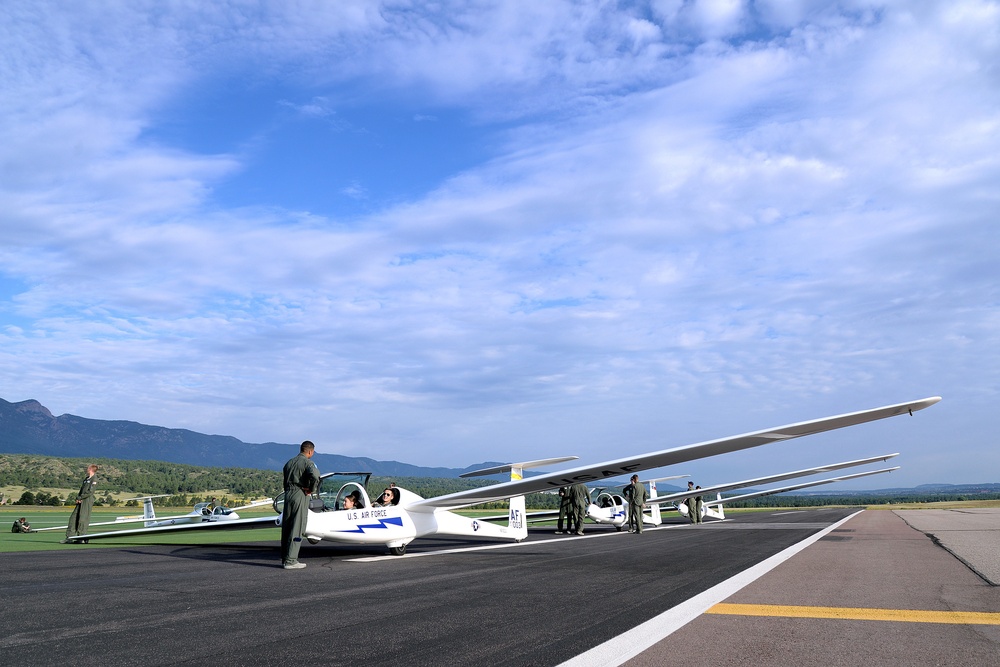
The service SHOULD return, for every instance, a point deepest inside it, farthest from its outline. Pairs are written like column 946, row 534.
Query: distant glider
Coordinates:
column 611, row 507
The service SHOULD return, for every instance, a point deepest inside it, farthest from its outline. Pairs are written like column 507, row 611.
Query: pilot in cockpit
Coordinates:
column 384, row 500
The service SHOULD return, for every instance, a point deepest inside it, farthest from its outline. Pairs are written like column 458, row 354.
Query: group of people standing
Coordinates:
column 573, row 502
column 694, row 505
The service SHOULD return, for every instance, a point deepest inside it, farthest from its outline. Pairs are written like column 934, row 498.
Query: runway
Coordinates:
column 544, row 602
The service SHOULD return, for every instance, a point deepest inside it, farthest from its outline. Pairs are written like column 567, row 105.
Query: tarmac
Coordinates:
column 884, row 588
column 823, row 587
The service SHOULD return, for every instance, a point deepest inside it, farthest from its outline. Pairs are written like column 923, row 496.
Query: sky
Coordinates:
column 454, row 232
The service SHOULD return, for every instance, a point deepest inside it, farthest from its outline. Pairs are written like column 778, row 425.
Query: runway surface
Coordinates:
column 543, row 602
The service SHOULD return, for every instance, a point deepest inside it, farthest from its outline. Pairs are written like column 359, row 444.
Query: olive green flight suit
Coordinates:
column 692, row 510
column 300, row 475
column 581, row 499
column 79, row 520
column 566, row 514
column 636, row 499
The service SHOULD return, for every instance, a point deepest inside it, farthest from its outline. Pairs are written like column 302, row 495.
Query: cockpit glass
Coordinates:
column 332, row 489
column 337, row 486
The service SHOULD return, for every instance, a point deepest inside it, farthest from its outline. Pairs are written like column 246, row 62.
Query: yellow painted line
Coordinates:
column 858, row 614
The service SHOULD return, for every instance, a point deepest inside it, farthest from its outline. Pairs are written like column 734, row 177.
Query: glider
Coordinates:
column 408, row 516
column 611, row 507
column 202, row 513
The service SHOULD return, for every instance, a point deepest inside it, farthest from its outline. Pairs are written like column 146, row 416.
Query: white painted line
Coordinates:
column 629, row 644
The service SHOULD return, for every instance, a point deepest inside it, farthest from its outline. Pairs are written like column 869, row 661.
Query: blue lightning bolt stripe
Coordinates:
column 382, row 524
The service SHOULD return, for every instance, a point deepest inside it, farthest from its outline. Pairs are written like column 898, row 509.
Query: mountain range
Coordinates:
column 28, row 427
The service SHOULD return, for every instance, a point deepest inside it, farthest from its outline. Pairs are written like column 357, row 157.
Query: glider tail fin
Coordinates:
column 716, row 511
column 517, row 521
column 148, row 513
column 654, row 510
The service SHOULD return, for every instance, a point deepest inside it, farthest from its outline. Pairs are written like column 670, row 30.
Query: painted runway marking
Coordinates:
column 633, row 642
column 858, row 614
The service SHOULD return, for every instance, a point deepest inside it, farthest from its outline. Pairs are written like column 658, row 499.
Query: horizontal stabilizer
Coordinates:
column 662, row 479
column 507, row 467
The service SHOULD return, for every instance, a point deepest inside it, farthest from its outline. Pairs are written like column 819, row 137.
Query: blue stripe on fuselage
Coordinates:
column 382, row 524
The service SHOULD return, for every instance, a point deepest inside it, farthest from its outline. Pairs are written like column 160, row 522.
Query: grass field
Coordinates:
column 44, row 517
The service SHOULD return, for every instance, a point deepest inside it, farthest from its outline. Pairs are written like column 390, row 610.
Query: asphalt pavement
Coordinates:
column 537, row 603
column 549, row 600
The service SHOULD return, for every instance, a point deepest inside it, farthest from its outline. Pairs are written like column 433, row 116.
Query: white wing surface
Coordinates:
column 795, row 487
column 719, row 488
column 256, row 522
column 631, row 464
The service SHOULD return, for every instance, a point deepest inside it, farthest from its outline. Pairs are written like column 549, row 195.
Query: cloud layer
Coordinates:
column 495, row 231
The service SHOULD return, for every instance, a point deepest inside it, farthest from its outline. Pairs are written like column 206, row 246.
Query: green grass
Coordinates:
column 43, row 517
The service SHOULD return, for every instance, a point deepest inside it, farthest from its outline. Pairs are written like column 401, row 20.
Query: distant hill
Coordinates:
column 29, row 428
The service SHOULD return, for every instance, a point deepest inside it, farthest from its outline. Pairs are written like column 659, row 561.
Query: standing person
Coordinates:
column 627, row 492
column 565, row 512
column 697, row 507
column 79, row 520
column 692, row 506
column 580, row 499
column 636, row 501
column 301, row 478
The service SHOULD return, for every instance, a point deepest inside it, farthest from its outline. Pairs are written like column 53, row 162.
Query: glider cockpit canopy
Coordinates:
column 333, row 488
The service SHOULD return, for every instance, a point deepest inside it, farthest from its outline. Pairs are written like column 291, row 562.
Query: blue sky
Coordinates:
column 483, row 231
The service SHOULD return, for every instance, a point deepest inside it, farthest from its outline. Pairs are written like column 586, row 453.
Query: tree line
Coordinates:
column 187, row 485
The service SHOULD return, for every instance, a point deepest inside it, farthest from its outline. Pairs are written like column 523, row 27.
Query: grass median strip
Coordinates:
column 859, row 614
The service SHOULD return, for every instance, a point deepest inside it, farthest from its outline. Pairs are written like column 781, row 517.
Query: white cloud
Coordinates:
column 685, row 232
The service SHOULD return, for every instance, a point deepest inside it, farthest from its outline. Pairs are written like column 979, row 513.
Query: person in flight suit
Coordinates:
column 566, row 515
column 694, row 511
column 636, row 501
column 698, row 504
column 580, row 495
column 301, row 478
column 79, row 520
